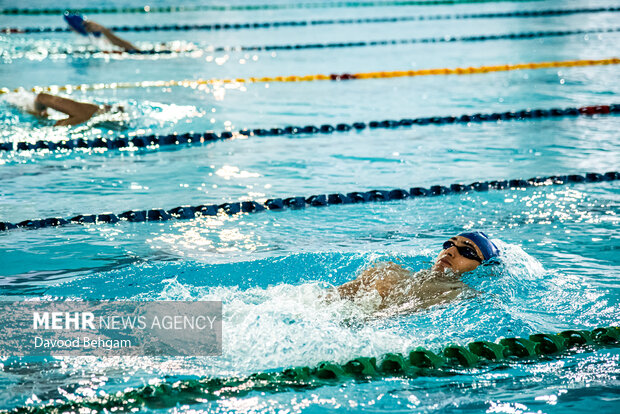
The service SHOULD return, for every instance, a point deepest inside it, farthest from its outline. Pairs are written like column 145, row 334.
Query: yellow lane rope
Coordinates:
column 320, row 77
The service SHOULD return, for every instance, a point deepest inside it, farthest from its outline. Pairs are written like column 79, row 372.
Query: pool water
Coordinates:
column 560, row 243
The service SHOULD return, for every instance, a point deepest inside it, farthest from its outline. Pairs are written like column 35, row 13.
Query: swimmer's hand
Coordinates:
column 38, row 109
column 385, row 278
column 40, row 114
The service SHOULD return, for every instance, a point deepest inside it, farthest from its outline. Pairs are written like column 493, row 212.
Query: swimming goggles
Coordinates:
column 465, row 251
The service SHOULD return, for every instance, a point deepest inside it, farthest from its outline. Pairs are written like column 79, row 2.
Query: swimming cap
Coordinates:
column 76, row 21
column 486, row 246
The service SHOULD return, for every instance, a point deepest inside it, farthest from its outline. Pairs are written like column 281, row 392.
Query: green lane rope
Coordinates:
column 419, row 362
column 213, row 7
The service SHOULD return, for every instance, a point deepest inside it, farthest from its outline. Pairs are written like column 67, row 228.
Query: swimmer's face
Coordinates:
column 451, row 258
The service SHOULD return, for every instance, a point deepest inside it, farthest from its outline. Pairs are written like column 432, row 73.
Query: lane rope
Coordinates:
column 287, row 6
column 324, row 22
column 337, row 45
column 186, row 212
column 197, row 138
column 452, row 360
column 192, row 83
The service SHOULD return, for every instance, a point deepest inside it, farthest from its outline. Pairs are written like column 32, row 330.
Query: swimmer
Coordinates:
column 398, row 289
column 85, row 27
column 79, row 112
column 88, row 26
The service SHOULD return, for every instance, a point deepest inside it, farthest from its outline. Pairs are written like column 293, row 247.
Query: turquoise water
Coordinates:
column 270, row 269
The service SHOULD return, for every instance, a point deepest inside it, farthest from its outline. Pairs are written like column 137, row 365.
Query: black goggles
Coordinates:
column 465, row 251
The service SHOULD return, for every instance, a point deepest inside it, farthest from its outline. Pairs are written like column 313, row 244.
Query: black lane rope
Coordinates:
column 297, row 23
column 299, row 202
column 337, row 45
column 308, row 5
column 157, row 141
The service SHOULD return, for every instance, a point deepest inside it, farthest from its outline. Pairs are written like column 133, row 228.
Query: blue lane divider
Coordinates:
column 338, row 45
column 297, row 23
column 299, row 202
column 155, row 141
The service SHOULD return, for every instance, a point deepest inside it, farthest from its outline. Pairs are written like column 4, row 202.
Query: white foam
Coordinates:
column 287, row 325
column 22, row 100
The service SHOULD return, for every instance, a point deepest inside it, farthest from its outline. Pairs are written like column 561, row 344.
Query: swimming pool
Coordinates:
column 269, row 268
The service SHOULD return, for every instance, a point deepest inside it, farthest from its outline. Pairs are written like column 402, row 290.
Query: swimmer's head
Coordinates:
column 465, row 252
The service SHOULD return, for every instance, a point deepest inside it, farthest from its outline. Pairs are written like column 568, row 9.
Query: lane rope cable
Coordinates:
column 187, row 212
column 197, row 138
column 192, row 83
column 233, row 7
column 337, row 45
column 452, row 360
column 323, row 22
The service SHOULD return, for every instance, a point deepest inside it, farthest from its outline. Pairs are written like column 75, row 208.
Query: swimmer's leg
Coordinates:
column 78, row 112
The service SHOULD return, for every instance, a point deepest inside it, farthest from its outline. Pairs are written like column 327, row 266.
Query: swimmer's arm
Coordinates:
column 78, row 112
column 438, row 293
column 349, row 290
column 70, row 121
column 439, row 299
column 389, row 280
column 382, row 277
column 91, row 26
